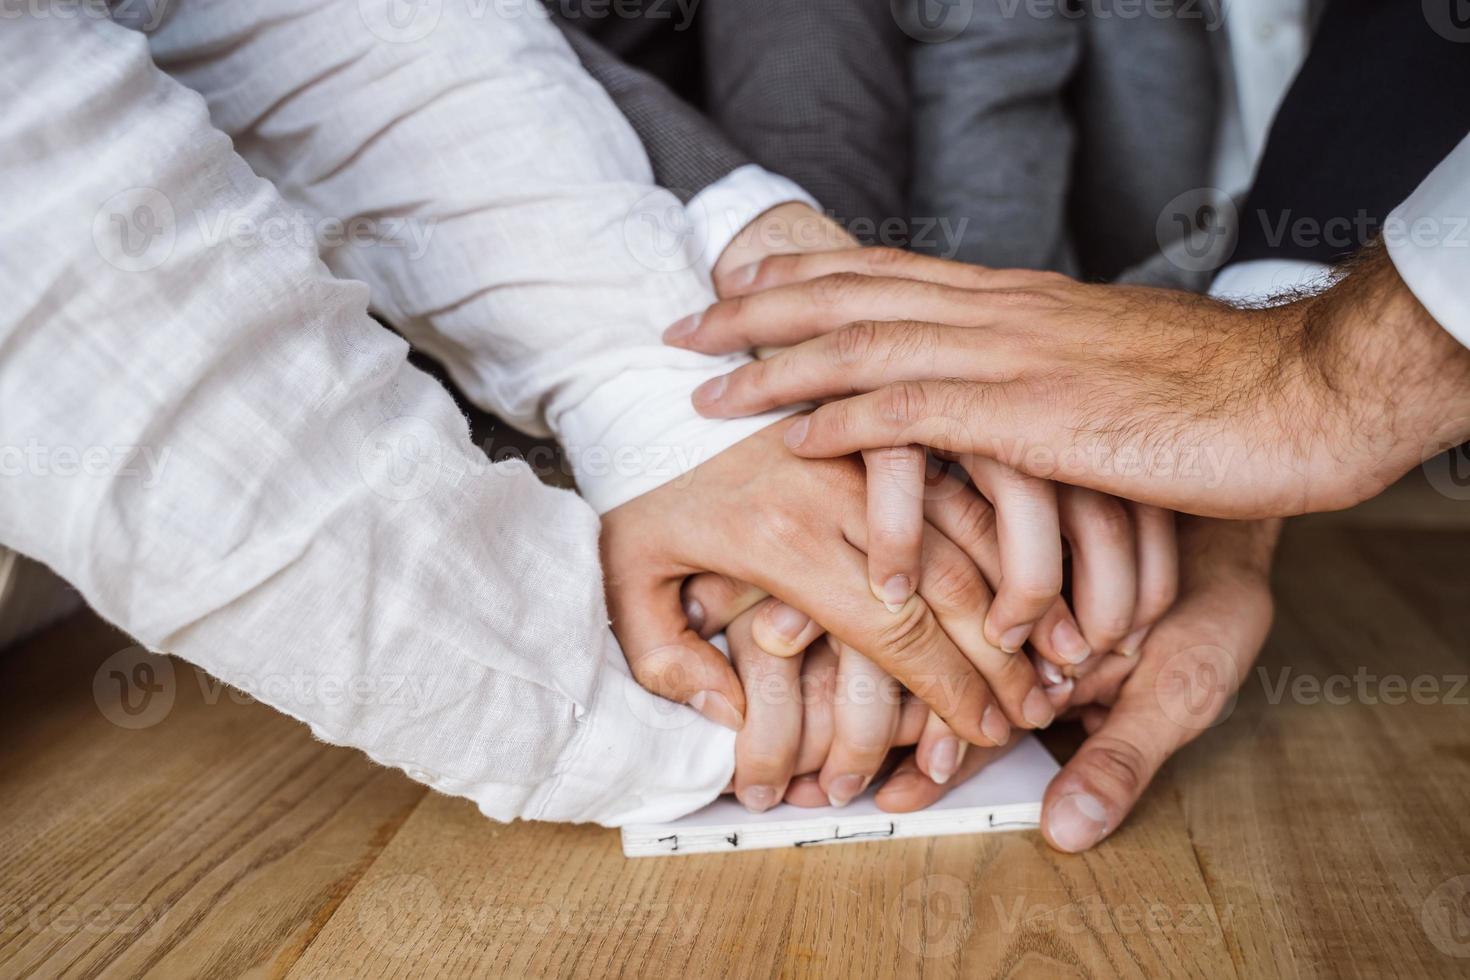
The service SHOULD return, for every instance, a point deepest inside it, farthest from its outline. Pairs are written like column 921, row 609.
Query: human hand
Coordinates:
column 1169, row 398
column 1028, row 582
column 826, row 717
column 1191, row 665
column 794, row 529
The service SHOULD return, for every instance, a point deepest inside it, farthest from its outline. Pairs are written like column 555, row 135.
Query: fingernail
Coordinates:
column 743, row 276
column 1068, row 642
column 944, row 760
column 844, row 788
column 894, row 592
column 796, row 435
column 1133, row 642
column 758, row 799
column 788, row 621
column 683, row 329
column 1050, row 675
column 694, row 613
column 994, row 725
column 717, row 708
column 1036, row 709
column 1014, row 638
column 1076, row 822
column 711, row 391
column 1058, row 694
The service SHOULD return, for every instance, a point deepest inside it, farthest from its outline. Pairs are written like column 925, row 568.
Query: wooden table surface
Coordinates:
column 1306, row 835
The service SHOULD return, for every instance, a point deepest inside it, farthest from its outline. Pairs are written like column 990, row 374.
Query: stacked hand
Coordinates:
column 1123, row 571
column 1124, row 578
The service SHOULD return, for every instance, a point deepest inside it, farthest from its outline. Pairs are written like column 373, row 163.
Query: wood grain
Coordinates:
column 1306, row 835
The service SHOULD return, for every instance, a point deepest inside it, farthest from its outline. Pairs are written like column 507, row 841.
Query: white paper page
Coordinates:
column 1005, row 795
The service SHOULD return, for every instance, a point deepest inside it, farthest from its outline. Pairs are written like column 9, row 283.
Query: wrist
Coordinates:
column 1388, row 384
column 794, row 226
column 638, row 430
column 723, row 215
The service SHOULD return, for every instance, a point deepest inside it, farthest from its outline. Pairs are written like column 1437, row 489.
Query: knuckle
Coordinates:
column 780, row 524
column 1157, row 599
column 833, row 289
column 1036, row 587
column 657, row 675
column 904, row 640
column 753, row 375
column 1118, row 766
column 773, row 267
column 1109, row 520
column 894, row 461
column 722, row 317
column 956, row 398
column 884, row 259
column 954, row 585
column 976, row 517
column 905, row 401
column 854, row 343
column 865, row 744
column 765, row 759
column 1113, row 626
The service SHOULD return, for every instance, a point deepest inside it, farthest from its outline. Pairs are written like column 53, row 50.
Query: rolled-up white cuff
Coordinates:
column 1262, row 280
column 637, row 758
column 719, row 212
column 638, row 430
column 1428, row 239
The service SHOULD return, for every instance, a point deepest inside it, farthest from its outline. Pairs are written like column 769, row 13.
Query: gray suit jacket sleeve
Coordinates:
column 993, row 138
column 687, row 151
column 816, row 90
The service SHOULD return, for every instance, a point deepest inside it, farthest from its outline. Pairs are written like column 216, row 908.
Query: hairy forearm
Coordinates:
column 1384, row 366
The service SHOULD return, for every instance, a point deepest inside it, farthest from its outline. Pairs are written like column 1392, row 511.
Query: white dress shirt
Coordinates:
column 1427, row 236
column 1264, row 45
column 1428, row 239
column 312, row 518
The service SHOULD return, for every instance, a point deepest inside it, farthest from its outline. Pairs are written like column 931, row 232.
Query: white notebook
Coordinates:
column 1005, row 795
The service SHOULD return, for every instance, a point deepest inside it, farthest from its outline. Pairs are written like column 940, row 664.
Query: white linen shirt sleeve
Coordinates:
column 509, row 221
column 722, row 210
column 232, row 462
column 1428, row 238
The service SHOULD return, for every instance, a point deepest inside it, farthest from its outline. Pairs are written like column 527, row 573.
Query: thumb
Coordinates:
column 1181, row 688
column 1097, row 788
column 669, row 658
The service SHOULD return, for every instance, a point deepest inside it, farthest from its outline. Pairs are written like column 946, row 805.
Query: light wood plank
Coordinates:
column 214, row 842
column 1298, row 838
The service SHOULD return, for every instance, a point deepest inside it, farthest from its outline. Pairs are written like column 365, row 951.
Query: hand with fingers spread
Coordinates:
column 1139, row 713
column 1164, row 397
